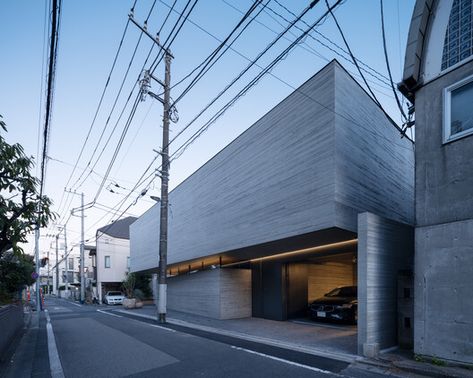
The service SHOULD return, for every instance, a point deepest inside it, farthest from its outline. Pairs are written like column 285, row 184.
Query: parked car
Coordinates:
column 114, row 297
column 340, row 304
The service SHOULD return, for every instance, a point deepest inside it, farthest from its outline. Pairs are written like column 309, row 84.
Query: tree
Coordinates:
column 15, row 271
column 129, row 285
column 21, row 207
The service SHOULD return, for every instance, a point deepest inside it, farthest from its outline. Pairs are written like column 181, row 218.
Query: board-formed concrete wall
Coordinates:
column 384, row 249
column 444, row 174
column 216, row 293
column 443, row 290
column 287, row 176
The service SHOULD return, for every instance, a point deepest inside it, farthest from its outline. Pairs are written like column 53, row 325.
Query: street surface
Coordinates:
column 96, row 341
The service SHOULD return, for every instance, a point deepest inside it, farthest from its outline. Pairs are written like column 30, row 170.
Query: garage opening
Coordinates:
column 283, row 290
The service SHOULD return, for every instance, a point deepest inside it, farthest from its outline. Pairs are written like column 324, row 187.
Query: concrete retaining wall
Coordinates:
column 217, row 293
column 11, row 322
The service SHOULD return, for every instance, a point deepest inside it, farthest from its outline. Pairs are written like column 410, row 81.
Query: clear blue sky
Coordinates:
column 89, row 35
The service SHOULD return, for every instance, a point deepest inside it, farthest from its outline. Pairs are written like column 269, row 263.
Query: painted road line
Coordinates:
column 157, row 326
column 76, row 304
column 54, row 361
column 108, row 313
column 286, row 361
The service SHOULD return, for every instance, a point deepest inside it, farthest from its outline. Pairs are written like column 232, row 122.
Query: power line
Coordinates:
column 55, row 23
column 387, row 63
column 208, row 62
column 167, row 45
column 107, row 82
column 355, row 62
column 239, row 76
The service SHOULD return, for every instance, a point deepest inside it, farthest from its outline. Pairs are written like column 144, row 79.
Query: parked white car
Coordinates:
column 114, row 297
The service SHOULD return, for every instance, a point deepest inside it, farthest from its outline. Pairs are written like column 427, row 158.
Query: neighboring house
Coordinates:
column 438, row 79
column 317, row 194
column 112, row 255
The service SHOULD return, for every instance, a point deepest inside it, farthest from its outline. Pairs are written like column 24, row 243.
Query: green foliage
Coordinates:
column 437, row 361
column 129, row 285
column 20, row 206
column 15, row 273
column 143, row 284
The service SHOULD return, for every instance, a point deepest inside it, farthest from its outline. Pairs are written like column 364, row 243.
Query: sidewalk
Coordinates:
column 340, row 345
column 30, row 356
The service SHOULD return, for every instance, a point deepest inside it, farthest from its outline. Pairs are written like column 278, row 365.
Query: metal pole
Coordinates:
column 36, row 241
column 66, row 285
column 163, row 227
column 82, row 279
column 57, row 265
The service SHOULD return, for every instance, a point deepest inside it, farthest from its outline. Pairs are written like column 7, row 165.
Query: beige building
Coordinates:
column 113, row 255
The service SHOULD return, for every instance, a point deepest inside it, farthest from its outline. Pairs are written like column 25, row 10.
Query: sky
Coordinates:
column 89, row 36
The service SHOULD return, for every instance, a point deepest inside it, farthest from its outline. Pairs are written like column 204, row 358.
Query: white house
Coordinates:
column 113, row 255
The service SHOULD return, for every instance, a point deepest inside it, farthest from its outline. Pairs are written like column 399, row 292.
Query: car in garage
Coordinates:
column 114, row 297
column 340, row 304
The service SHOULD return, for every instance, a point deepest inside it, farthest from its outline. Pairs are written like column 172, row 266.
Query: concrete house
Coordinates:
column 438, row 79
column 112, row 257
column 318, row 193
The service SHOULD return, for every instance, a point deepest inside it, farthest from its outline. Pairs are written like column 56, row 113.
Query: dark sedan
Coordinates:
column 340, row 304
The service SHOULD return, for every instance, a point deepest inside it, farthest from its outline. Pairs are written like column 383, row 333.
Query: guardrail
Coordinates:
column 11, row 322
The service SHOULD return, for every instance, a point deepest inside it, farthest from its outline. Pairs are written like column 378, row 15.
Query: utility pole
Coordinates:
column 163, row 225
column 38, row 296
column 66, row 280
column 57, row 265
column 164, row 173
column 82, row 261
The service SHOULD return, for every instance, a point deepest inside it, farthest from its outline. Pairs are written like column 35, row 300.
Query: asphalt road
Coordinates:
column 94, row 341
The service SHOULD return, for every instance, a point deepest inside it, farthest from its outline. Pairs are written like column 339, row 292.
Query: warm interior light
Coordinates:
column 308, row 250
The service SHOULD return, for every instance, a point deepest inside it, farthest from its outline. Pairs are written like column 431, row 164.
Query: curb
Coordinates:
column 343, row 357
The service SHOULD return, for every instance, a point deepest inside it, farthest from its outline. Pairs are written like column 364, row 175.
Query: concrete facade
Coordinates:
column 288, row 190
column 216, row 293
column 385, row 248
column 443, row 326
column 320, row 157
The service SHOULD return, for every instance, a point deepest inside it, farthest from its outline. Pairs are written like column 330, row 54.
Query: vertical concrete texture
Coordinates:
column 443, row 291
column 384, row 248
column 217, row 293
column 443, row 326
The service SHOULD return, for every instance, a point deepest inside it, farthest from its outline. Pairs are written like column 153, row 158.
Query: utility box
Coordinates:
column 405, row 309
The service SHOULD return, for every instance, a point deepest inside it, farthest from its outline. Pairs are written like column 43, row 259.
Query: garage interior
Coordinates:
column 283, row 288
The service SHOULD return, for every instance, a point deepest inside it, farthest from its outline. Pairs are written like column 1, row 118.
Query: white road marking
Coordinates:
column 157, row 326
column 54, row 361
column 284, row 361
column 76, row 304
column 108, row 313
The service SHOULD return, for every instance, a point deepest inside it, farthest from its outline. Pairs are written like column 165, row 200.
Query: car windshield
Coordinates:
column 114, row 293
column 347, row 291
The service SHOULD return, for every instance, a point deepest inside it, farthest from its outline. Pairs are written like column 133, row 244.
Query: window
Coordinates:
column 458, row 43
column 458, row 112
column 71, row 263
column 107, row 261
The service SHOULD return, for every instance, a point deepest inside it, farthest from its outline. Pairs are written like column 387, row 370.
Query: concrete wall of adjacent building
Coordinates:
column 287, row 176
column 385, row 248
column 443, row 325
column 217, row 293
column 443, row 285
column 444, row 174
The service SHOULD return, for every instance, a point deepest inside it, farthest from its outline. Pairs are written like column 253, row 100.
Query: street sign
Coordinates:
column 34, row 275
